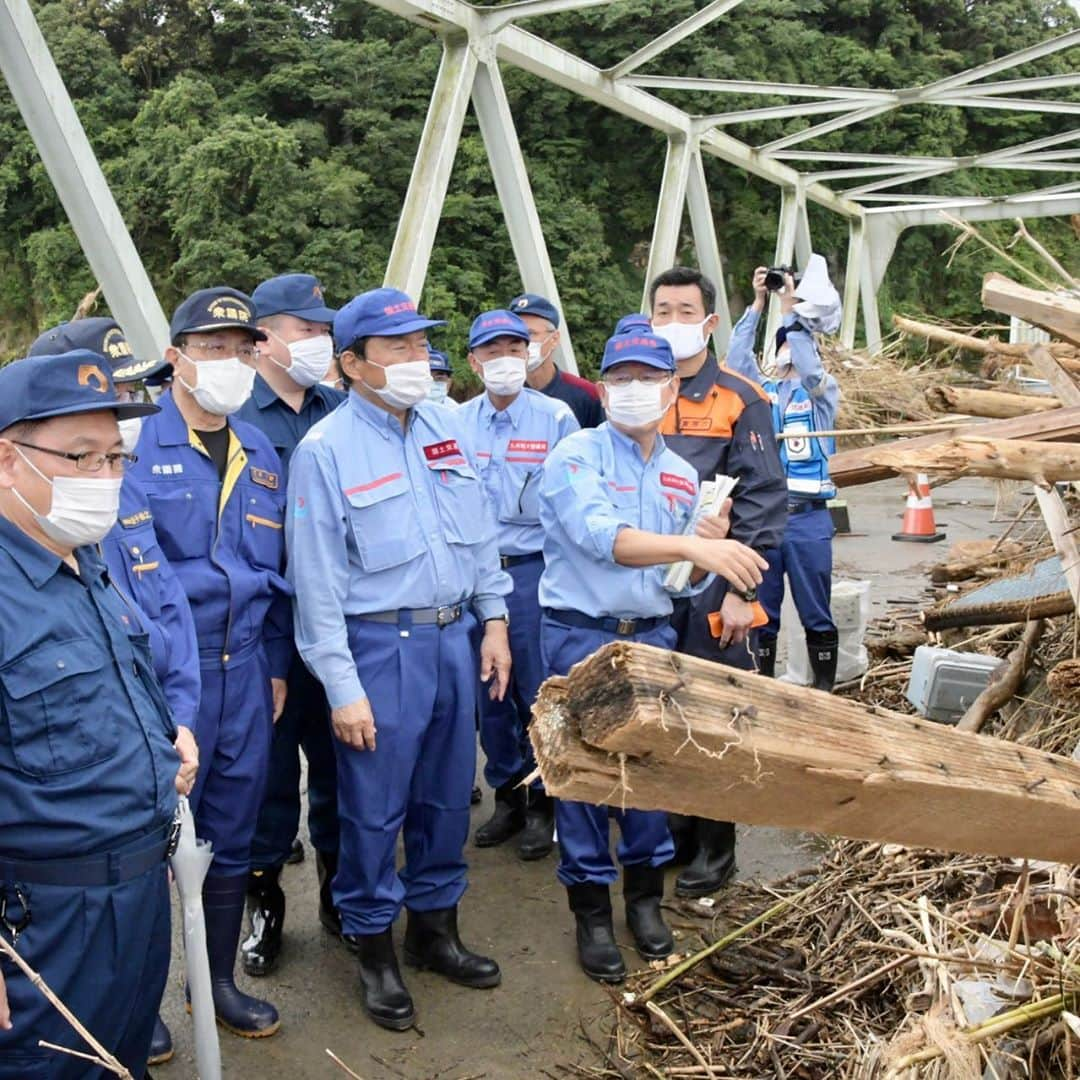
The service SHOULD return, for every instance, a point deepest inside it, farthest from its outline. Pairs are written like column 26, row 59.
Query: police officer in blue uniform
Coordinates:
column 216, row 491
column 88, row 766
column 135, row 561
column 394, row 556
column 514, row 429
column 288, row 398
column 614, row 503
column 805, row 398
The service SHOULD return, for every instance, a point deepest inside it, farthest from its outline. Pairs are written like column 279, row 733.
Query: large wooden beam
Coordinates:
column 857, row 466
column 1043, row 463
column 954, row 339
column 1056, row 313
column 998, row 612
column 642, row 727
column 995, row 404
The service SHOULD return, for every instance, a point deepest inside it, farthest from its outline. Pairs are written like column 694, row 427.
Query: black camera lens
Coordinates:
column 774, row 279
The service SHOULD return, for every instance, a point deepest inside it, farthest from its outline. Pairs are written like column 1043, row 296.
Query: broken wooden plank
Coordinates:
column 955, row 339
column 1056, row 518
column 1061, row 382
column 1004, row 683
column 1043, row 463
column 1056, row 313
column 642, row 727
column 851, row 467
column 970, row 558
column 995, row 404
column 998, row 612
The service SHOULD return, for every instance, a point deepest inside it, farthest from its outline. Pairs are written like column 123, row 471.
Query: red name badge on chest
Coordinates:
column 444, row 454
column 679, row 483
column 528, row 451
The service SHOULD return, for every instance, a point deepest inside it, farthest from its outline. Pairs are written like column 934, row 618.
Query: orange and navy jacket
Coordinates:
column 722, row 423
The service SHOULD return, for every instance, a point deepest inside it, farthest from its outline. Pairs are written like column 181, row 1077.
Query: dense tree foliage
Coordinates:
column 248, row 137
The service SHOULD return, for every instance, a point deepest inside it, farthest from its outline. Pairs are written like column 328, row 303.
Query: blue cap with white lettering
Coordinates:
column 100, row 335
column 79, row 381
column 219, row 308
column 439, row 361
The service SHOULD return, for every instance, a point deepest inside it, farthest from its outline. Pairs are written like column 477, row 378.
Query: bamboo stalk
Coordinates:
column 341, row 1064
column 855, row 984
column 675, row 1030
column 691, row 962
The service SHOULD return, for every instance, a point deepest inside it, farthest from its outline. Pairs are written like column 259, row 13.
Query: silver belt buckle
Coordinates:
column 626, row 626
column 444, row 616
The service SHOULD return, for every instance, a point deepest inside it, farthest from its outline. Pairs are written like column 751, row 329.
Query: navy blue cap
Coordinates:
column 379, row 313
column 292, row 294
column 640, row 348
column 634, row 321
column 496, row 324
column 531, row 303
column 44, row 386
column 100, row 335
column 438, row 360
column 218, row 308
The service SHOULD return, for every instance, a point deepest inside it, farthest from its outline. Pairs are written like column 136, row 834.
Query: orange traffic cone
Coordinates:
column 918, row 526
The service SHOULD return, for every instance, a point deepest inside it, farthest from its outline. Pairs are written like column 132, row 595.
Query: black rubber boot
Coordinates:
column 326, row 863
column 714, row 863
column 384, row 996
column 161, row 1047
column 223, row 905
column 684, row 834
column 823, row 647
column 508, row 818
column 432, row 941
column 643, row 889
column 597, row 952
column 766, row 655
column 539, row 836
column 261, row 951
column 296, row 853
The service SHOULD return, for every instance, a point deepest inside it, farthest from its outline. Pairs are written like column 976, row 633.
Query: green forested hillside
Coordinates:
column 248, row 137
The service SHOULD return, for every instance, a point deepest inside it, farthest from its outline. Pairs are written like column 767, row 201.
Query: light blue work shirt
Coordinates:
column 512, row 445
column 595, row 483
column 381, row 519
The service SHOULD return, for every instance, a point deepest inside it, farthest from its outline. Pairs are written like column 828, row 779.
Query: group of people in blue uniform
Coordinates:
column 303, row 543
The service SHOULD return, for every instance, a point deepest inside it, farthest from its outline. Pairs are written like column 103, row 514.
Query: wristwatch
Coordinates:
column 498, row 618
column 750, row 595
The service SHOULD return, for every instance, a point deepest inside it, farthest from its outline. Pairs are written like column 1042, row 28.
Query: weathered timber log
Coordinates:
column 1056, row 313
column 856, row 466
column 643, row 727
column 1005, row 683
column 1061, row 382
column 972, row 558
column 996, row 404
column 1042, row 463
column 998, row 612
column 914, row 328
column 1056, row 518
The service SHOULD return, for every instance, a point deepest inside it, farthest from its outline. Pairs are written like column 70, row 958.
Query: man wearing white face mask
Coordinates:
column 514, row 430
column 217, row 493
column 288, row 399
column 614, row 502
column 393, row 552
column 721, row 423
column 442, row 379
column 88, row 771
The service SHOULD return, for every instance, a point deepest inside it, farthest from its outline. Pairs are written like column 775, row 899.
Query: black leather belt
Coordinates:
column 804, row 506
column 610, row 625
column 429, row 616
column 516, row 560
column 109, row 869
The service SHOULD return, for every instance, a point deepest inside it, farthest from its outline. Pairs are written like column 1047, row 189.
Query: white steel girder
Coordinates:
column 703, row 225
column 669, row 210
column 50, row 116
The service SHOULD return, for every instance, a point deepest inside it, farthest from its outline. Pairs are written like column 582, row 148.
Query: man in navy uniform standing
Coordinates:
column 89, row 771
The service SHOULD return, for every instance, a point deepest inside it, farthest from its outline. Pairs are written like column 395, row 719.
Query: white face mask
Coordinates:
column 439, row 391
column 130, row 430
column 83, row 509
column 504, row 376
column 685, row 339
column 222, row 385
column 637, row 405
column 407, row 384
column 309, row 359
column 535, row 357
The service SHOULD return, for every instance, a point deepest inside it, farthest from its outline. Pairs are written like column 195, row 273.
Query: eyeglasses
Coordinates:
column 90, row 461
column 624, row 378
column 221, row 352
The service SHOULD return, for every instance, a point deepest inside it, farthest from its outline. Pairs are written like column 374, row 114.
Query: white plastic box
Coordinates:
column 850, row 606
column 945, row 682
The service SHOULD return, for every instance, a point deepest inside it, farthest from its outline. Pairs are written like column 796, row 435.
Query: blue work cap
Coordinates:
column 495, row 324
column 379, row 313
column 639, row 348
column 532, row 304
column 100, row 335
column 438, row 360
column 43, row 387
column 636, row 321
column 292, row 294
column 218, row 308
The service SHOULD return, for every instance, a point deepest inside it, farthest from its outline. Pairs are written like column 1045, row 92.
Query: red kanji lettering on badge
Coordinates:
column 440, row 450
column 680, row 483
column 527, row 446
